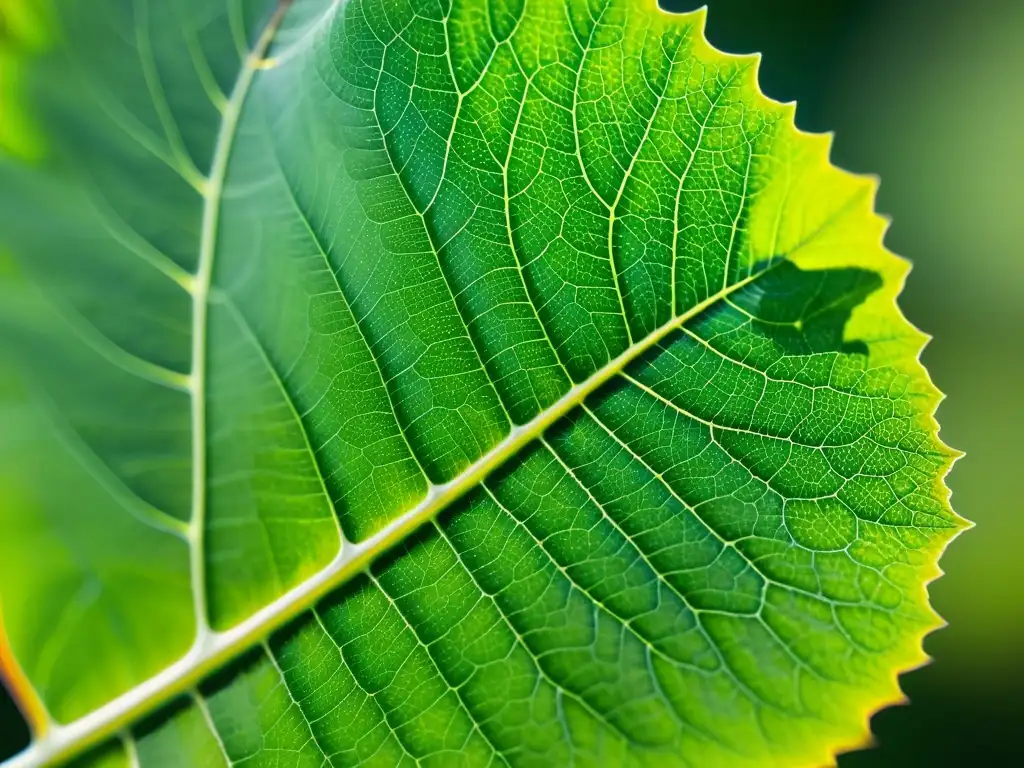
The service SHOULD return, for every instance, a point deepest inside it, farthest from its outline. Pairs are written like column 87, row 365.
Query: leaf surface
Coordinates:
column 469, row 382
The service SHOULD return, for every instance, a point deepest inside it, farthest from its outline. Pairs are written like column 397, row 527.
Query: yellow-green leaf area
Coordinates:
column 470, row 382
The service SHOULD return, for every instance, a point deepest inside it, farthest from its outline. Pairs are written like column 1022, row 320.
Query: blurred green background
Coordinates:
column 929, row 94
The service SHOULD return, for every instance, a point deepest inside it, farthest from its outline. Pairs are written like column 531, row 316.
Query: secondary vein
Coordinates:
column 213, row 193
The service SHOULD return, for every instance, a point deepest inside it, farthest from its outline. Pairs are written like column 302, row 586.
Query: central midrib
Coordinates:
column 218, row 648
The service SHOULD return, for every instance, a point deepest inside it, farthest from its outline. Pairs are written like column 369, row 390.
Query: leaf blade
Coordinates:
column 750, row 224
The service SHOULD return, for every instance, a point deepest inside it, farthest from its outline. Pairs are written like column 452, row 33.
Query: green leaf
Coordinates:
column 472, row 382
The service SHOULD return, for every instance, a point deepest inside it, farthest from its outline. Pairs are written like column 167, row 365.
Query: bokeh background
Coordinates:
column 928, row 94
